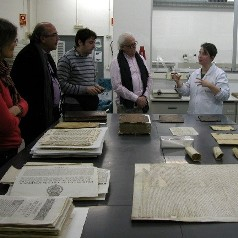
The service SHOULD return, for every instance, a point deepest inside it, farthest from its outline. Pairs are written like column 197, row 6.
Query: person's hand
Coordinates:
column 203, row 82
column 100, row 88
column 94, row 90
column 141, row 101
column 14, row 110
column 176, row 77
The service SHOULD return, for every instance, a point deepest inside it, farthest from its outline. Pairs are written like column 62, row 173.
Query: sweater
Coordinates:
column 10, row 135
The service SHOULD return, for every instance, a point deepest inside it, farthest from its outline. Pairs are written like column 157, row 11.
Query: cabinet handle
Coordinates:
column 172, row 107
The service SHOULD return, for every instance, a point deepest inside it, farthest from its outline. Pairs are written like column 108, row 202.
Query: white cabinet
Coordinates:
column 180, row 106
column 168, row 107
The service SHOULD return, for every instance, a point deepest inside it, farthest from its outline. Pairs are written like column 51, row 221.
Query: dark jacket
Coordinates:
column 32, row 79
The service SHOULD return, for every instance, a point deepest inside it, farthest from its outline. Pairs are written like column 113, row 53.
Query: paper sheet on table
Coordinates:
column 185, row 192
column 183, row 131
column 73, row 181
column 10, row 176
column 225, row 139
column 76, row 125
column 176, row 141
column 75, row 227
column 222, row 128
column 171, row 118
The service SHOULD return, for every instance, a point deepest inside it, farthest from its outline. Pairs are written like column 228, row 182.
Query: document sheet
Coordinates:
column 184, row 192
column 74, row 181
column 225, row 138
column 37, row 211
column 183, row 131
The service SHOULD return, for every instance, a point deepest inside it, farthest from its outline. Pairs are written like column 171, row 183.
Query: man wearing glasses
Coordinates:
column 35, row 76
column 130, row 77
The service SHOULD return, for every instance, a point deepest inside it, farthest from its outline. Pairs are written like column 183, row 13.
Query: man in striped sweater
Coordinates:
column 76, row 74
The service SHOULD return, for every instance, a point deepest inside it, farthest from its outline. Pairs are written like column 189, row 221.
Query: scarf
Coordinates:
column 7, row 81
column 48, row 90
column 126, row 78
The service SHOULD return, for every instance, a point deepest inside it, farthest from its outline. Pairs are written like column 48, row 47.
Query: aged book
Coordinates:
column 34, row 216
column 86, row 116
column 209, row 118
column 134, row 124
column 171, row 118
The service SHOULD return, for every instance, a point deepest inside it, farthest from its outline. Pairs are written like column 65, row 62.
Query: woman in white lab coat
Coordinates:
column 207, row 86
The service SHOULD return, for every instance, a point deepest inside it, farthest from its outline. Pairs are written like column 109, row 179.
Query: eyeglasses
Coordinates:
column 52, row 35
column 133, row 45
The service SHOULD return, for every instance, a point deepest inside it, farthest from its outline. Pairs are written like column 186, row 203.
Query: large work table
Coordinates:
column 112, row 218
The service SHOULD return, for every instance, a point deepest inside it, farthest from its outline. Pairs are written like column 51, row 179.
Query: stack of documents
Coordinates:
column 78, row 181
column 34, row 216
column 85, row 142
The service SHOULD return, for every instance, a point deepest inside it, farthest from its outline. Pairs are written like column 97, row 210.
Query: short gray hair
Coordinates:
column 122, row 38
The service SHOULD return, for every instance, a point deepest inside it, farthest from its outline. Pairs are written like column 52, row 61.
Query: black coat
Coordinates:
column 32, row 79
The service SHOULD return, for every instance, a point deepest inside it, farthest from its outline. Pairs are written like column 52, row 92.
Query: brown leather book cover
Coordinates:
column 171, row 118
column 85, row 116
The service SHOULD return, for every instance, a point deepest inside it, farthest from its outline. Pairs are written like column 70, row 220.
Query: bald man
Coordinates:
column 34, row 74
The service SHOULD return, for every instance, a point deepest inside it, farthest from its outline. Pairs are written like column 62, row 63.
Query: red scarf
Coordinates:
column 7, row 81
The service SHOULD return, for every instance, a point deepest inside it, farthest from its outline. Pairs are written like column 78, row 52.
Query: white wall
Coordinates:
column 181, row 31
column 10, row 9
column 133, row 16
column 93, row 14
column 65, row 15
column 172, row 32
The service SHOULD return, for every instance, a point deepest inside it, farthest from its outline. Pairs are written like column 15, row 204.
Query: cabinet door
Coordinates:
column 229, row 108
column 232, row 117
column 171, row 107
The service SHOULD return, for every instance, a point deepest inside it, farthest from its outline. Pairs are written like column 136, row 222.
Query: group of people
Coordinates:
column 32, row 91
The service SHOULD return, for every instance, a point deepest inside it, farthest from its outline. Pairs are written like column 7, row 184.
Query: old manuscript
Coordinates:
column 185, row 192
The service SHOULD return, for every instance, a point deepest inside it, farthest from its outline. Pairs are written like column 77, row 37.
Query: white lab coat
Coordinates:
column 202, row 100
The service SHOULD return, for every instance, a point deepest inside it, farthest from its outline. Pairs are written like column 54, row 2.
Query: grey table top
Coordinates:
column 111, row 218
